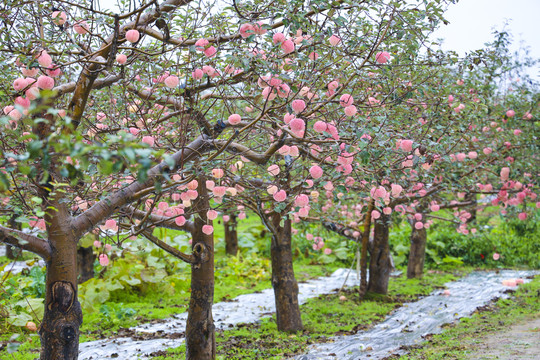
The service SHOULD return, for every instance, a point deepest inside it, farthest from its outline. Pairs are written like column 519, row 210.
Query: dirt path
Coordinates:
column 520, row 342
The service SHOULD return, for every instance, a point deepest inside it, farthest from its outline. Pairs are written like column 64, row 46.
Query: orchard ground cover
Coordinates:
column 144, row 285
column 162, row 297
column 326, row 316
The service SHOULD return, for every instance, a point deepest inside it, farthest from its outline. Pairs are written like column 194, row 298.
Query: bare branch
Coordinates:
column 235, row 148
column 340, row 230
column 171, row 250
column 98, row 84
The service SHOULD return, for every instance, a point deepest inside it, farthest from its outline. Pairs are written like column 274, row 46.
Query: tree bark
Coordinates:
column 417, row 255
column 283, row 280
column 59, row 330
column 200, row 329
column 85, row 263
column 13, row 252
column 231, row 236
column 365, row 242
column 380, row 264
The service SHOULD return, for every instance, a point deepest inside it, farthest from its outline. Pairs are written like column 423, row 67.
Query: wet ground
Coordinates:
column 243, row 309
column 406, row 326
column 409, row 324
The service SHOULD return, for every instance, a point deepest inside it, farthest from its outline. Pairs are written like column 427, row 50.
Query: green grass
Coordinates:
column 458, row 340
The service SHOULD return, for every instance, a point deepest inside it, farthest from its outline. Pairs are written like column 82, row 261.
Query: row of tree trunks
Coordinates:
column 60, row 327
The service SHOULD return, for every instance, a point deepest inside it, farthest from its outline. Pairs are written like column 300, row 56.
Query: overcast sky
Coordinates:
column 472, row 23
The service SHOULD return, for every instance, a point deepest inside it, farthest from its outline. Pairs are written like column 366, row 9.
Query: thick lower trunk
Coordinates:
column 85, row 263
column 417, row 255
column 59, row 330
column 231, row 236
column 380, row 264
column 283, row 280
column 200, row 330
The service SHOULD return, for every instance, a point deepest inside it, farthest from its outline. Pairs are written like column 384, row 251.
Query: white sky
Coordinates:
column 472, row 23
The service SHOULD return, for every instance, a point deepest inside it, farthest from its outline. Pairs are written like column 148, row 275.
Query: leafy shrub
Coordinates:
column 516, row 241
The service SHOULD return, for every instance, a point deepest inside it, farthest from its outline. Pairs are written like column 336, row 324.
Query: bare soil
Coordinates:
column 519, row 342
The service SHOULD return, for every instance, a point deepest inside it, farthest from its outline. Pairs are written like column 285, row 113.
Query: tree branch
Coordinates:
column 90, row 73
column 98, row 84
column 25, row 241
column 171, row 250
column 110, row 204
column 235, row 148
column 340, row 230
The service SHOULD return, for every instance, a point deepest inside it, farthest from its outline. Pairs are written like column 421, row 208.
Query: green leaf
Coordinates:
column 13, row 347
column 18, row 319
column 341, row 253
column 153, row 275
column 130, row 280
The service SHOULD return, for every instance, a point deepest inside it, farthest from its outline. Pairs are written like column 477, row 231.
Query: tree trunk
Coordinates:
column 231, row 236
column 13, row 252
column 364, row 250
column 283, row 280
column 85, row 263
column 200, row 330
column 417, row 255
column 380, row 264
column 59, row 330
